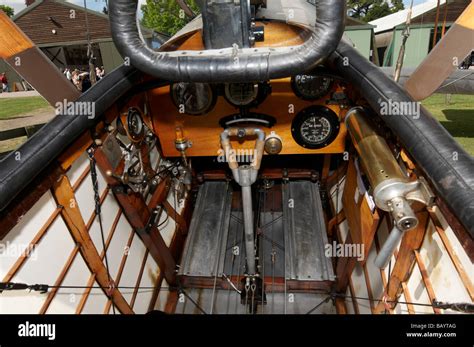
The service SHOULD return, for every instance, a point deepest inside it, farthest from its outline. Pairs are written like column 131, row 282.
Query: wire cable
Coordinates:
column 43, row 288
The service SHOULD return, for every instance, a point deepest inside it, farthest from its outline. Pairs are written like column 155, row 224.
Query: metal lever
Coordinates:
column 245, row 176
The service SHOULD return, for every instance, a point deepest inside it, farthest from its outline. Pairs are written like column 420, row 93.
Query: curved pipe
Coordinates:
column 243, row 132
column 227, row 65
column 448, row 167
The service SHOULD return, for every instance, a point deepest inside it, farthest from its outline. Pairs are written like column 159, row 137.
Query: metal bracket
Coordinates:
column 423, row 194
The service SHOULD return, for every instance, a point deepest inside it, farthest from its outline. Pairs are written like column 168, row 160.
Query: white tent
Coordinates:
column 391, row 21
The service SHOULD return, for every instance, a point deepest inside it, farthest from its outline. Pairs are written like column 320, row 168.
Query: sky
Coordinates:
column 98, row 5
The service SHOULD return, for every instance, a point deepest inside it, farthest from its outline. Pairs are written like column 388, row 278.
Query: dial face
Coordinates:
column 311, row 87
column 136, row 128
column 193, row 98
column 241, row 94
column 315, row 127
column 315, row 130
column 135, row 123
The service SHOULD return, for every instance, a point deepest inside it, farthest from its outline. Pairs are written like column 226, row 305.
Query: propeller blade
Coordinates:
column 31, row 63
column 441, row 62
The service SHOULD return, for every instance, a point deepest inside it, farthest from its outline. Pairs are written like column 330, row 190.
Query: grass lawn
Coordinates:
column 10, row 107
column 457, row 116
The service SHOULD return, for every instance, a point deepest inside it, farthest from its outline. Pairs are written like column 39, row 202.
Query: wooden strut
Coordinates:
column 138, row 214
column 426, row 279
column 156, row 292
column 464, row 276
column 411, row 242
column 93, row 277
column 139, row 278
column 435, row 34
column 355, row 303
column 121, row 268
column 362, row 223
column 37, row 239
column 64, row 196
column 28, row 60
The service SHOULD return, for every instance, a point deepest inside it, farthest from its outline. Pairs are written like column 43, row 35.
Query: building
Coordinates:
column 363, row 37
column 62, row 30
column 427, row 18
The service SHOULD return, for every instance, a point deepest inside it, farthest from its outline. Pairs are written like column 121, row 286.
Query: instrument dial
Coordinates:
column 135, row 123
column 311, row 87
column 193, row 98
column 315, row 127
column 131, row 124
column 241, row 94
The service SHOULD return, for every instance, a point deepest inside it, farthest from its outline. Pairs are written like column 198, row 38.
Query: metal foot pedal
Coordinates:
column 205, row 246
column 305, row 234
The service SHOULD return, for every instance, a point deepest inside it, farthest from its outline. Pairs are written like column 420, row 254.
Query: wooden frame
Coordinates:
column 64, row 195
column 138, row 214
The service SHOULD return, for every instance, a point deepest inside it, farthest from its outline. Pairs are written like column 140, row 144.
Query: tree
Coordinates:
column 8, row 10
column 165, row 16
column 369, row 10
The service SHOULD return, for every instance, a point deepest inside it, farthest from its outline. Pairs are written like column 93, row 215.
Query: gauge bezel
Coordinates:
column 135, row 136
column 315, row 110
column 263, row 89
column 232, row 100
column 208, row 108
column 301, row 94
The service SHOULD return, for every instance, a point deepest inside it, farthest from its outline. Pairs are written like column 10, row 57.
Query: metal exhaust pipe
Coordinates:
column 391, row 187
column 437, row 154
column 388, row 248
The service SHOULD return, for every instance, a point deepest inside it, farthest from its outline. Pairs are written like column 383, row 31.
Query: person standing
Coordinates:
column 77, row 79
column 4, row 81
column 67, row 73
column 102, row 72
column 98, row 73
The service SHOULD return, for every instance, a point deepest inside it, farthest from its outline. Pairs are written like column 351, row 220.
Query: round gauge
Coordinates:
column 193, row 98
column 136, row 128
column 311, row 87
column 315, row 127
column 241, row 94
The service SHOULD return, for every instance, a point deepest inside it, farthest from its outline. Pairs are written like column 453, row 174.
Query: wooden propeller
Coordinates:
column 444, row 58
column 31, row 63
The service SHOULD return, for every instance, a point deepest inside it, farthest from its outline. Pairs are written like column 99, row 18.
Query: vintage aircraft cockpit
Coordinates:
column 253, row 152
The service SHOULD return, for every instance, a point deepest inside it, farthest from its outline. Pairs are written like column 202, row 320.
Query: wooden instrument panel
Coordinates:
column 204, row 131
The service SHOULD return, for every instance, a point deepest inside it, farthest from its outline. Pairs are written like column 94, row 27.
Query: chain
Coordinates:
column 95, row 185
